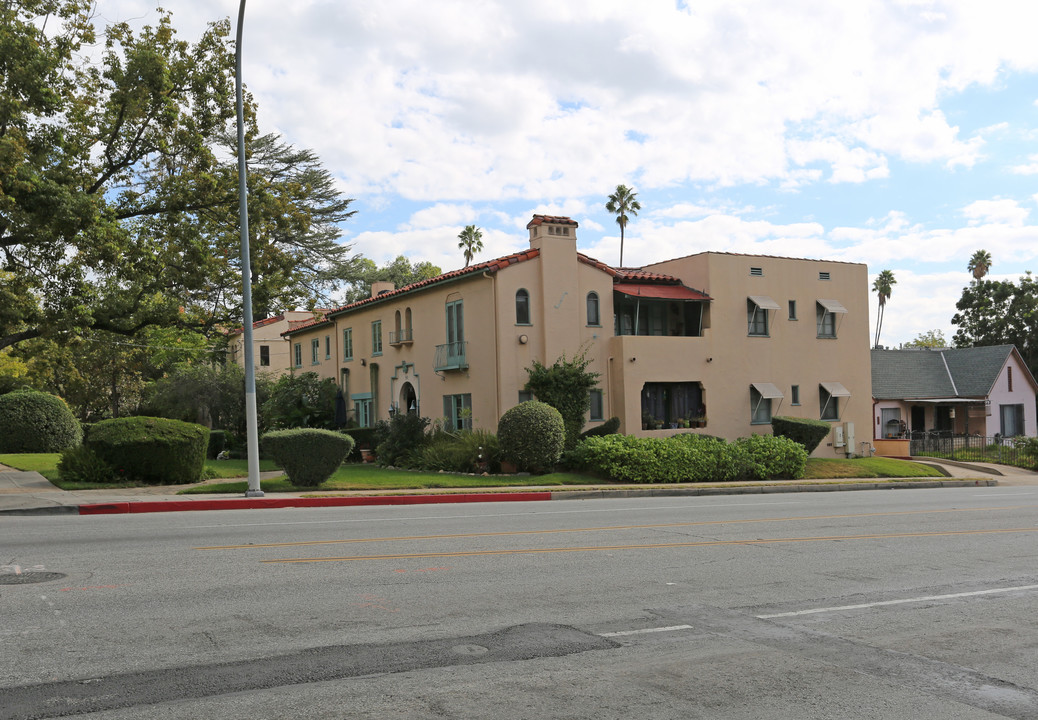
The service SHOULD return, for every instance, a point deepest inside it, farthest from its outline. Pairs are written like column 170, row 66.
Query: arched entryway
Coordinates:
column 408, row 398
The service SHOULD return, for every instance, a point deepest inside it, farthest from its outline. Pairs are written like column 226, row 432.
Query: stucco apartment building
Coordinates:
column 271, row 351
column 730, row 338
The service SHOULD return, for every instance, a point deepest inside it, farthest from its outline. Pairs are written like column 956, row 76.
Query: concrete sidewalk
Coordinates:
column 29, row 493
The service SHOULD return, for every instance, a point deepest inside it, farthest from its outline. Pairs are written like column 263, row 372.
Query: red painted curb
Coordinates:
column 150, row 506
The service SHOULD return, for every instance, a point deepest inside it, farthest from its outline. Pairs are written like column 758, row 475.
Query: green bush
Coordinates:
column 402, row 437
column 609, row 427
column 805, row 431
column 767, row 457
column 531, row 435
column 687, row 458
column 154, row 451
column 308, row 456
column 303, row 400
column 36, row 422
column 217, row 442
column 363, row 438
column 81, row 464
column 467, row 451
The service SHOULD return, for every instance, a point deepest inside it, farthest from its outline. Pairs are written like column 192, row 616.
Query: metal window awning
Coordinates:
column 833, row 306
column 660, row 292
column 767, row 390
column 765, row 303
column 835, row 389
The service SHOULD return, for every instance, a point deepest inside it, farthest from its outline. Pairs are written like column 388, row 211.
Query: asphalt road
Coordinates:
column 882, row 604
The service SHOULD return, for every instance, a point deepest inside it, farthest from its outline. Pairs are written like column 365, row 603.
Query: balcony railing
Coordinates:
column 401, row 337
column 451, row 356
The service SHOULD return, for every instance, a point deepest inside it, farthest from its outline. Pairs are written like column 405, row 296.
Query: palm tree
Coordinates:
column 623, row 203
column 979, row 264
column 882, row 287
column 471, row 241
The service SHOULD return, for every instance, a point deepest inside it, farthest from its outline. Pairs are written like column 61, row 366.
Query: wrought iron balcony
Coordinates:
column 451, row 356
column 401, row 337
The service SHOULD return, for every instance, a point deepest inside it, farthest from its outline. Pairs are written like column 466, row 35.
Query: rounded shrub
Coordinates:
column 81, row 464
column 766, row 456
column 531, row 435
column 155, row 451
column 308, row 456
column 36, row 422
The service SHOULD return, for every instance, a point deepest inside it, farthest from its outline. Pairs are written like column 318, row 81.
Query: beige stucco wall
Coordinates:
column 727, row 360
column 269, row 334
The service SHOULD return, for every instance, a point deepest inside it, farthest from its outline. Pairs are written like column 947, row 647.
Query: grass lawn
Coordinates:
column 46, row 464
column 372, row 477
column 874, row 467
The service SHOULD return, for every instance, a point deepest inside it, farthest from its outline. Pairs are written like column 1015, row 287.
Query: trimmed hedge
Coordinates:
column 154, row 451
column 308, row 456
column 36, row 422
column 805, row 431
column 531, row 435
column 609, row 427
column 688, row 458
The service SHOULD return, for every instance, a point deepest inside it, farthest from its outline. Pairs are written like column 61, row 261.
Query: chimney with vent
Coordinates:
column 380, row 287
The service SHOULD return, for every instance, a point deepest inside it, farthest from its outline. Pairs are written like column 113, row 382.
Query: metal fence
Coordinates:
column 1007, row 451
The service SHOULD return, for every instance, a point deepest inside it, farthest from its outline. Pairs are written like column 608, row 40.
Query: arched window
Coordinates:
column 592, row 309
column 522, row 307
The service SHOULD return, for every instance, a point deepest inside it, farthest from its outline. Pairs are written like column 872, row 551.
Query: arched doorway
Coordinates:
column 408, row 398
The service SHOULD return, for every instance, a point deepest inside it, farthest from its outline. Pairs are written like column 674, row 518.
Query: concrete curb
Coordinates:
column 241, row 503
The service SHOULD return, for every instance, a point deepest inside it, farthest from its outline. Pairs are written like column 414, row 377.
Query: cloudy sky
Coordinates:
column 898, row 133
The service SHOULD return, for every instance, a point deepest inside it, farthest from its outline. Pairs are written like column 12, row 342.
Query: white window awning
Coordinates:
column 765, row 303
column 833, row 306
column 767, row 390
column 835, row 389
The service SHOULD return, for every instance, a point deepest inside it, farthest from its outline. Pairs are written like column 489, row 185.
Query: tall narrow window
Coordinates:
column 593, row 317
column 347, row 344
column 760, row 408
column 1009, row 376
column 794, row 395
column 264, row 355
column 297, row 354
column 829, row 404
column 327, row 347
column 315, row 351
column 792, row 309
column 597, row 409
column 458, row 411
column 522, row 307
column 376, row 337
column 455, row 322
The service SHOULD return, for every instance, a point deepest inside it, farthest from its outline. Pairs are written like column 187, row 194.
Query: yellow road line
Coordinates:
column 652, row 546
column 699, row 523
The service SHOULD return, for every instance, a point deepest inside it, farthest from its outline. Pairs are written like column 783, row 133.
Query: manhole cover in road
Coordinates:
column 27, row 578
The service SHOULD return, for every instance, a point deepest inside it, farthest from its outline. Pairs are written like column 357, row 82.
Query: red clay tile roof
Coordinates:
column 553, row 219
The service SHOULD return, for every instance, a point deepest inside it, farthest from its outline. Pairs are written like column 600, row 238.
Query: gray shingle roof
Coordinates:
column 947, row 373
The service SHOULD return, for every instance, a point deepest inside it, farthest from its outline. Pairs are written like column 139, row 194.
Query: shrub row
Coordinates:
column 688, row 458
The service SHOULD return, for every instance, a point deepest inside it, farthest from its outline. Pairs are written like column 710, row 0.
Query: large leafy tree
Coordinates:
column 882, row 286
column 90, row 153
column 1000, row 312
column 623, row 203
column 400, row 272
column 118, row 209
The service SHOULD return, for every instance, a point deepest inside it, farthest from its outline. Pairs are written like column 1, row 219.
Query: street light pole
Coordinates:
column 251, row 432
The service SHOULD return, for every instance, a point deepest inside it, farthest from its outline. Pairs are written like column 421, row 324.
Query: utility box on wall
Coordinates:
column 848, row 436
column 838, row 440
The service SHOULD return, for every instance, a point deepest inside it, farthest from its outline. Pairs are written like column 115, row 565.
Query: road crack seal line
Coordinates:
column 88, row 695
